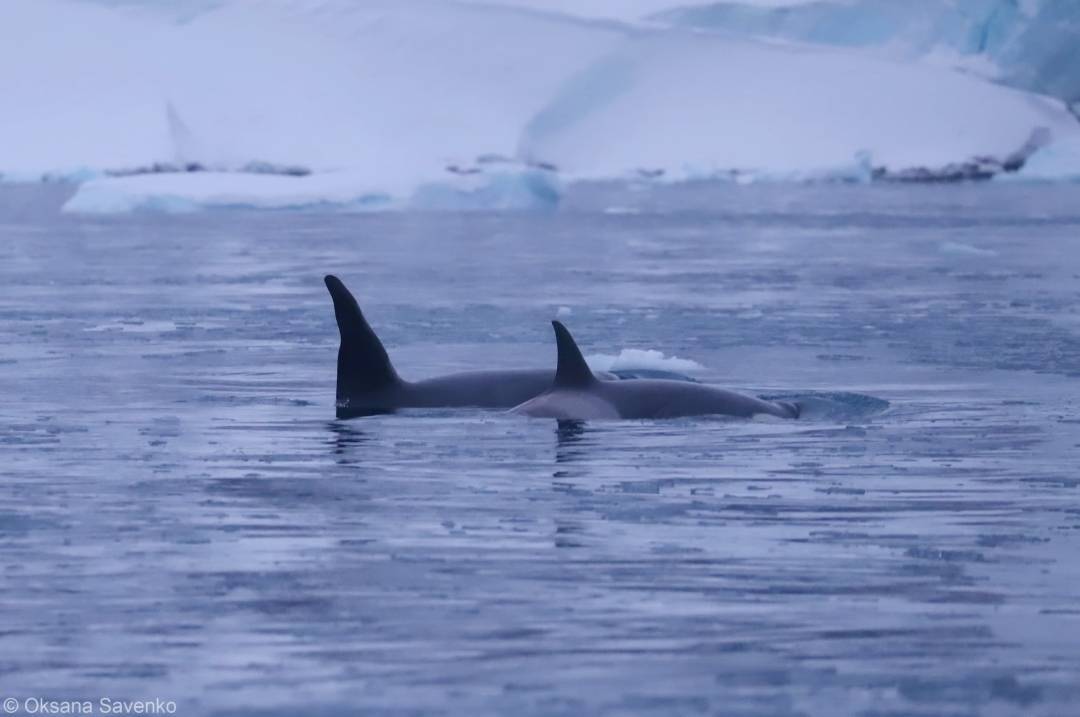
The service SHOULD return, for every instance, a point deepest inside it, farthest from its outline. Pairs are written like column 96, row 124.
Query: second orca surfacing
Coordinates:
column 577, row 394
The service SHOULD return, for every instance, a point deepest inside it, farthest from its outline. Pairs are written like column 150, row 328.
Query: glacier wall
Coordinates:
column 1030, row 44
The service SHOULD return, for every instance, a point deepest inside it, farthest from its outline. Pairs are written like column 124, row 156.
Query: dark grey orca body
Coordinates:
column 367, row 383
column 576, row 394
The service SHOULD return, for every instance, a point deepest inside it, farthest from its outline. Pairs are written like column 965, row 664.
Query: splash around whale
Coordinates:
column 577, row 394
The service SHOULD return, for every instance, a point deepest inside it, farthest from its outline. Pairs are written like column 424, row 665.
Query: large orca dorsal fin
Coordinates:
column 572, row 371
column 363, row 365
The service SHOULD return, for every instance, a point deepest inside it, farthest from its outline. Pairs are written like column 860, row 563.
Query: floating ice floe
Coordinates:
column 955, row 247
column 529, row 188
column 650, row 359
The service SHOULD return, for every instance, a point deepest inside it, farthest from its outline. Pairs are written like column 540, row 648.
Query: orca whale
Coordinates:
column 367, row 383
column 577, row 394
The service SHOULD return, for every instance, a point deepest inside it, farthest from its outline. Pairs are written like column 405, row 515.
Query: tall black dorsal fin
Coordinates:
column 572, row 371
column 362, row 365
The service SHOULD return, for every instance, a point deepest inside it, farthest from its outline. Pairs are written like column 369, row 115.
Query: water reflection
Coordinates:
column 568, row 533
column 570, row 448
column 345, row 440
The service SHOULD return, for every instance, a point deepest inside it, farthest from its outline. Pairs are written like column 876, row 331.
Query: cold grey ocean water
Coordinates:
column 182, row 518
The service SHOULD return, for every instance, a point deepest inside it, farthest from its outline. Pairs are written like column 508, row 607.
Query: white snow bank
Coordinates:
column 402, row 87
column 629, row 359
column 78, row 86
column 394, row 101
column 776, row 111
column 350, row 191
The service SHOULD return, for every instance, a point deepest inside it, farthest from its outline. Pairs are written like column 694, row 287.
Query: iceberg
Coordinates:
column 335, row 85
column 443, row 104
column 801, row 112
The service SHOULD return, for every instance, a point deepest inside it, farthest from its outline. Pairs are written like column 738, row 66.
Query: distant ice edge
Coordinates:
column 527, row 188
column 505, row 189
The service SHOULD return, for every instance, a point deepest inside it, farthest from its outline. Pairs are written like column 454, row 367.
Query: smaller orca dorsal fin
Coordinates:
column 363, row 365
column 572, row 371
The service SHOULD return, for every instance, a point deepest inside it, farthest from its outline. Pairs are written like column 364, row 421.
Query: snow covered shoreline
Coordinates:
column 438, row 104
